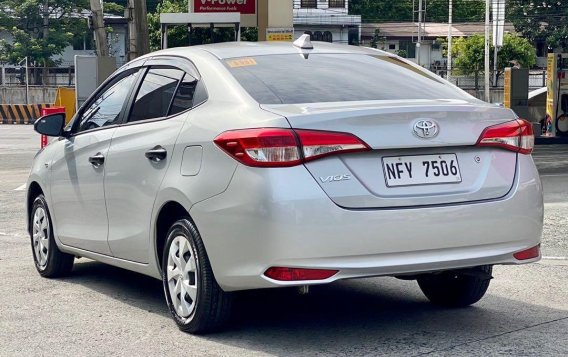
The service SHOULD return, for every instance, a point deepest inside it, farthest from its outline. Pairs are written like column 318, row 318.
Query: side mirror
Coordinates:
column 50, row 125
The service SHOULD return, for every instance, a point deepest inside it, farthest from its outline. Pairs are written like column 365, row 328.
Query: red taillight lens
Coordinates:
column 294, row 274
column 516, row 135
column 530, row 253
column 274, row 147
column 271, row 147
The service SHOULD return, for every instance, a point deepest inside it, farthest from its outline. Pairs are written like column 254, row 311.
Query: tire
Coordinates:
column 49, row 261
column 205, row 306
column 456, row 288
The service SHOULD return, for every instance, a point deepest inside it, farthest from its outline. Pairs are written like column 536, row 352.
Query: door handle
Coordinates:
column 97, row 160
column 157, row 153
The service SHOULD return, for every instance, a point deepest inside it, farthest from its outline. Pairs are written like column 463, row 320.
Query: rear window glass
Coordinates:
column 292, row 79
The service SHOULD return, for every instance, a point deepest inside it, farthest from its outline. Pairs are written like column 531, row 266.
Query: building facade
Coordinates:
column 327, row 20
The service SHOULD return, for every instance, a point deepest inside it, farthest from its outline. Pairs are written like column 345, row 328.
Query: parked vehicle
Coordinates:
column 240, row 166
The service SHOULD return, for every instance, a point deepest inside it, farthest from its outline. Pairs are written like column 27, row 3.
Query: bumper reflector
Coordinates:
column 295, row 274
column 530, row 253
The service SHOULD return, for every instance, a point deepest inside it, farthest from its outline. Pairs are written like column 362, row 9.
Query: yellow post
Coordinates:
column 551, row 91
column 66, row 98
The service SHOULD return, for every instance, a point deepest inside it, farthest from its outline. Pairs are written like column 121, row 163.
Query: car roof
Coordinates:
column 226, row 50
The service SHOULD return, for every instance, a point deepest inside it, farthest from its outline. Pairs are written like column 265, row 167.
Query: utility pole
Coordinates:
column 450, row 10
column 487, row 68
column 138, row 44
column 45, row 35
column 99, row 28
column 419, row 40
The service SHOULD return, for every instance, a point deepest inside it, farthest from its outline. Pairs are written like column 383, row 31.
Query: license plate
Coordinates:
column 421, row 170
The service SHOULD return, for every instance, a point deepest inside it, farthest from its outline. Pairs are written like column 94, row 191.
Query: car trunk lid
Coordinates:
column 393, row 173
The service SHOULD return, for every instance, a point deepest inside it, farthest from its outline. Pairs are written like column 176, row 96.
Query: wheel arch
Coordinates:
column 169, row 212
column 34, row 190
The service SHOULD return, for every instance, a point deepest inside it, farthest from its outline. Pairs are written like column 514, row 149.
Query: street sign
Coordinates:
column 280, row 34
column 246, row 7
column 498, row 22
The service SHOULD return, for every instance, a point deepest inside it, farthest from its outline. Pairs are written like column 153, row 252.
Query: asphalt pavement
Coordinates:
column 103, row 310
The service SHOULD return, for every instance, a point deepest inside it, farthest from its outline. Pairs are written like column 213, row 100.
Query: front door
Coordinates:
column 78, row 169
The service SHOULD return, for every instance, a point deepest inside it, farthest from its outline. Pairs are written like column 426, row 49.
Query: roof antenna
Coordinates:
column 304, row 42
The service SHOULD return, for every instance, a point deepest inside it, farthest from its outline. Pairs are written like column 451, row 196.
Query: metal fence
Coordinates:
column 537, row 79
column 48, row 76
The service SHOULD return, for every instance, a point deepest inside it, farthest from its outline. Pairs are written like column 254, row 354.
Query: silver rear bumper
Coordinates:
column 281, row 217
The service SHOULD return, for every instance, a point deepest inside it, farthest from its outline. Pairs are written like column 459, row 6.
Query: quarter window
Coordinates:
column 184, row 98
column 106, row 108
column 155, row 94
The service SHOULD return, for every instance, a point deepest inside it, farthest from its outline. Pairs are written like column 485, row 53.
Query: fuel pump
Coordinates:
column 557, row 94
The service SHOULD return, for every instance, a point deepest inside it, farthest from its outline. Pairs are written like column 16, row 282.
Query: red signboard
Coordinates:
column 242, row 6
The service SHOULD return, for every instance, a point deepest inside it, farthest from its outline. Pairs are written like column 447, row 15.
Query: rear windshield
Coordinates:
column 292, row 79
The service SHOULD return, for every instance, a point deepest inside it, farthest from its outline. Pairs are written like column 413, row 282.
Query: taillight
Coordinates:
column 516, row 135
column 275, row 147
column 295, row 274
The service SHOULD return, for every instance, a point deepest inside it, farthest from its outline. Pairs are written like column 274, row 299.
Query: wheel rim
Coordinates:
column 40, row 237
column 182, row 275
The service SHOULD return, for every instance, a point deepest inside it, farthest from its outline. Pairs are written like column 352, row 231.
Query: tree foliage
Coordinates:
column 24, row 22
column 469, row 54
column 401, row 10
column 544, row 20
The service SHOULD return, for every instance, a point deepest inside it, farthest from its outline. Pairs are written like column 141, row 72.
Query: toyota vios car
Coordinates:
column 239, row 166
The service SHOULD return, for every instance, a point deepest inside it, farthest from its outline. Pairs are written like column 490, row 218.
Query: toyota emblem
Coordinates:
column 426, row 129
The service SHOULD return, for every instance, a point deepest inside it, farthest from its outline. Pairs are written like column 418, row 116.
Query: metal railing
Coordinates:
column 47, row 76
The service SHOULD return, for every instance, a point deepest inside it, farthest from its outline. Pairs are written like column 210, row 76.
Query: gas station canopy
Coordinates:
column 226, row 19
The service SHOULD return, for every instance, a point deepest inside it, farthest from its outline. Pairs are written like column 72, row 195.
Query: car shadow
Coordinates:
column 366, row 316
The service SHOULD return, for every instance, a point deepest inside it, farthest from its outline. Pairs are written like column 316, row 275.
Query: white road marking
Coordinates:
column 3, row 234
column 555, row 258
column 553, row 175
column 21, row 188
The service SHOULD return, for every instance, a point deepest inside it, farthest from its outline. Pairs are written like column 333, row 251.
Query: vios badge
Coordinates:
column 426, row 129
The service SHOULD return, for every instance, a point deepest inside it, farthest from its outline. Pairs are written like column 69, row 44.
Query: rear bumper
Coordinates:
column 281, row 217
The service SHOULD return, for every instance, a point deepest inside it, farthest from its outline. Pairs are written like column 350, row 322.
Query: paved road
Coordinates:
column 106, row 311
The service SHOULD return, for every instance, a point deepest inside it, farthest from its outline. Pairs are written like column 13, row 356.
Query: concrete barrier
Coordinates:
column 21, row 113
column 37, row 94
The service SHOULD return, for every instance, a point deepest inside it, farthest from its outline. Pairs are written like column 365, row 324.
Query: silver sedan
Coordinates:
column 239, row 166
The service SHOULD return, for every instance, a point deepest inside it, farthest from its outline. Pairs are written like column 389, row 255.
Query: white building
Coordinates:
column 326, row 20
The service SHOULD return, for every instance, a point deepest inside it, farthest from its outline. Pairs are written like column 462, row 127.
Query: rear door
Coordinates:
column 140, row 154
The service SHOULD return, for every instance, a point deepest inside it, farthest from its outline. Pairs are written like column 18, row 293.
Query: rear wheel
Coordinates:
column 195, row 300
column 49, row 261
column 458, row 288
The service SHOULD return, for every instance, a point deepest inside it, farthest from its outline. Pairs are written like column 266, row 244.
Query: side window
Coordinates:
column 184, row 96
column 155, row 94
column 105, row 109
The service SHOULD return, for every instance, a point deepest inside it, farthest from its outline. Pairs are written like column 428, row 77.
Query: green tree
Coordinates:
column 378, row 39
column 469, row 54
column 541, row 20
column 38, row 32
column 436, row 10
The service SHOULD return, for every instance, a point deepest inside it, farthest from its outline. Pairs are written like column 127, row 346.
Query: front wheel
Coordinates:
column 458, row 288
column 49, row 261
column 195, row 300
